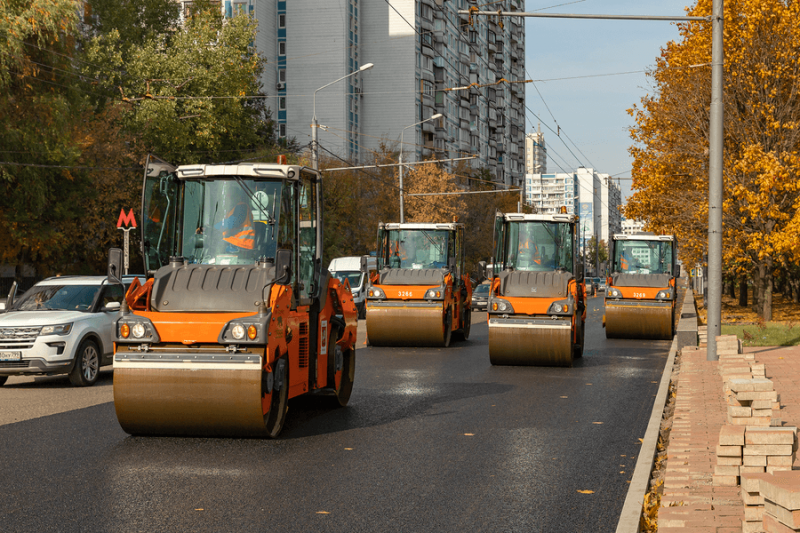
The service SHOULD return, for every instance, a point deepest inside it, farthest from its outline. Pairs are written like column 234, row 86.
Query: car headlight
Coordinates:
column 138, row 330
column 237, row 331
column 433, row 293
column 60, row 329
column 375, row 292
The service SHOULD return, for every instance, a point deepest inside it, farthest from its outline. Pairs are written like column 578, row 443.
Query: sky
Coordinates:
column 592, row 111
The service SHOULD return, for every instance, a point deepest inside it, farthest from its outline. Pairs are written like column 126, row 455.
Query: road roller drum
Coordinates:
column 526, row 342
column 638, row 320
column 390, row 324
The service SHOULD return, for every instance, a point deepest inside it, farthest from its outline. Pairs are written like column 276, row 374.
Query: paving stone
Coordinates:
column 753, row 513
column 729, row 451
column 741, row 412
column 751, row 483
column 752, row 469
column 783, row 490
column 766, row 449
column 785, row 516
column 770, row 435
column 731, row 436
column 780, row 460
column 772, row 525
column 756, row 460
column 733, row 461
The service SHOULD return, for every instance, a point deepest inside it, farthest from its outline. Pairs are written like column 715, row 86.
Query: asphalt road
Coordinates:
column 433, row 440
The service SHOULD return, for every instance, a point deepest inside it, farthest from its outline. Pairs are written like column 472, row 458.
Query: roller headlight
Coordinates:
column 614, row 293
column 238, row 332
column 664, row 295
column 375, row 292
column 433, row 294
column 501, row 306
column 138, row 330
column 559, row 308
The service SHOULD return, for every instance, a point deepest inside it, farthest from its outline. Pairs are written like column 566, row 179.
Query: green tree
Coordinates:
column 192, row 101
column 136, row 21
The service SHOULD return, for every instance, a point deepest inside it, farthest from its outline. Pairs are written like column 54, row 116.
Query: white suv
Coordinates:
column 62, row 325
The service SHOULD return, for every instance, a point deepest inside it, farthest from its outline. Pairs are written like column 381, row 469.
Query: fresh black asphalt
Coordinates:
column 434, row 439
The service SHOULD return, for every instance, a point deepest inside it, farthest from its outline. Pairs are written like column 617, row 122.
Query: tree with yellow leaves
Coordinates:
column 761, row 213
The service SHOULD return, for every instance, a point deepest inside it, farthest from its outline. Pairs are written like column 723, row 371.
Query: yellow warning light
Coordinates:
column 455, row 218
column 252, row 332
column 281, row 159
column 563, row 210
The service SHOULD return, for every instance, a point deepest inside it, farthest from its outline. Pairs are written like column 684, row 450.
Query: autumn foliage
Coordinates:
column 761, row 213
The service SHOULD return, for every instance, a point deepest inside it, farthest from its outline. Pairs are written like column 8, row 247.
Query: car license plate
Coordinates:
column 10, row 356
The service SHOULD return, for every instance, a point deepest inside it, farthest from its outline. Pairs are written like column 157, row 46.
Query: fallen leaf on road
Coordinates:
column 622, row 472
column 469, row 434
column 654, row 382
column 596, row 422
column 348, row 448
column 565, row 396
column 323, row 512
column 588, row 383
column 201, row 509
column 641, row 440
column 586, row 491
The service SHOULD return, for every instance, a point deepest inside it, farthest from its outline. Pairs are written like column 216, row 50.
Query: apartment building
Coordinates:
column 630, row 226
column 594, row 197
column 423, row 52
column 535, row 152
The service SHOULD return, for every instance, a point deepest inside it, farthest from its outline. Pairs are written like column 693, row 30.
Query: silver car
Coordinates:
column 62, row 325
column 480, row 297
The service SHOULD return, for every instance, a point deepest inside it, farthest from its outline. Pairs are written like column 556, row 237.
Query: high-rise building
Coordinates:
column 535, row 152
column 594, row 197
column 631, row 226
column 427, row 58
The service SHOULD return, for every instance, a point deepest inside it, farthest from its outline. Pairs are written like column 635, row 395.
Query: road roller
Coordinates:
column 421, row 294
column 237, row 315
column 536, row 307
column 640, row 294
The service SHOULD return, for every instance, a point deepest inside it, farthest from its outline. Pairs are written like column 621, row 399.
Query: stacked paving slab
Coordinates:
column 774, row 502
column 753, row 446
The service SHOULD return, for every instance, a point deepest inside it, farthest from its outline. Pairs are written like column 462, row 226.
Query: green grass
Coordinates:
column 768, row 334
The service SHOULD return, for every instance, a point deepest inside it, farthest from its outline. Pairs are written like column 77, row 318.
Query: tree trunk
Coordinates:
column 764, row 273
column 767, row 303
column 743, row 292
column 732, row 287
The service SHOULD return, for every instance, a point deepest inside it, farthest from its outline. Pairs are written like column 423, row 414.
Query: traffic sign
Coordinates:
column 128, row 220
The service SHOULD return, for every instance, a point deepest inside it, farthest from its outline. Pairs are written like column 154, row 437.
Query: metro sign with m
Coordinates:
column 127, row 220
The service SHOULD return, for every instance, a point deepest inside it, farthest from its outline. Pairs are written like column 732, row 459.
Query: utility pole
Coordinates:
column 715, row 152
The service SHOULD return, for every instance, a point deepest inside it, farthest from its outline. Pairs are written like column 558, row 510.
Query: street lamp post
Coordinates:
column 315, row 124
column 434, row 117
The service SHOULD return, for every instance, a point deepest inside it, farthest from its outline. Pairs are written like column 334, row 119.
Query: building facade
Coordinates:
column 629, row 226
column 535, row 152
column 423, row 53
column 594, row 197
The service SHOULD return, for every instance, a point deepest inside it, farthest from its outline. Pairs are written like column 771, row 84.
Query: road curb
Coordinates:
column 632, row 508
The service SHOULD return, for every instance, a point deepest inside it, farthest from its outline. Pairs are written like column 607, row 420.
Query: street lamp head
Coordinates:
column 366, row 67
column 434, row 117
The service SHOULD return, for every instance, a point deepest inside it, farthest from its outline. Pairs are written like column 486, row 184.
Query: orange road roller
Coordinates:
column 536, row 307
column 640, row 294
column 420, row 294
column 237, row 315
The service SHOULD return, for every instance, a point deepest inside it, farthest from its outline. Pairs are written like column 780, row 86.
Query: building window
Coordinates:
column 239, row 8
column 281, row 21
column 282, row 48
column 282, row 130
column 282, row 103
column 282, row 75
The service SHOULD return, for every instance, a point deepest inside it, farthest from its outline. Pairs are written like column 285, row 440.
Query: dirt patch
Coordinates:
column 784, row 310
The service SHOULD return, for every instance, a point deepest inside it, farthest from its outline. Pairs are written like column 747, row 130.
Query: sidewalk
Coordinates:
column 690, row 501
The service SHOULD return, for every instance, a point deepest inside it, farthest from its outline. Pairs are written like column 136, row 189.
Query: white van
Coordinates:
column 350, row 268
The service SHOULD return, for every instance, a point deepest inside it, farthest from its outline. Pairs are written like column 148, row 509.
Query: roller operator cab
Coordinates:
column 421, row 294
column 640, row 294
column 536, row 308
column 237, row 315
